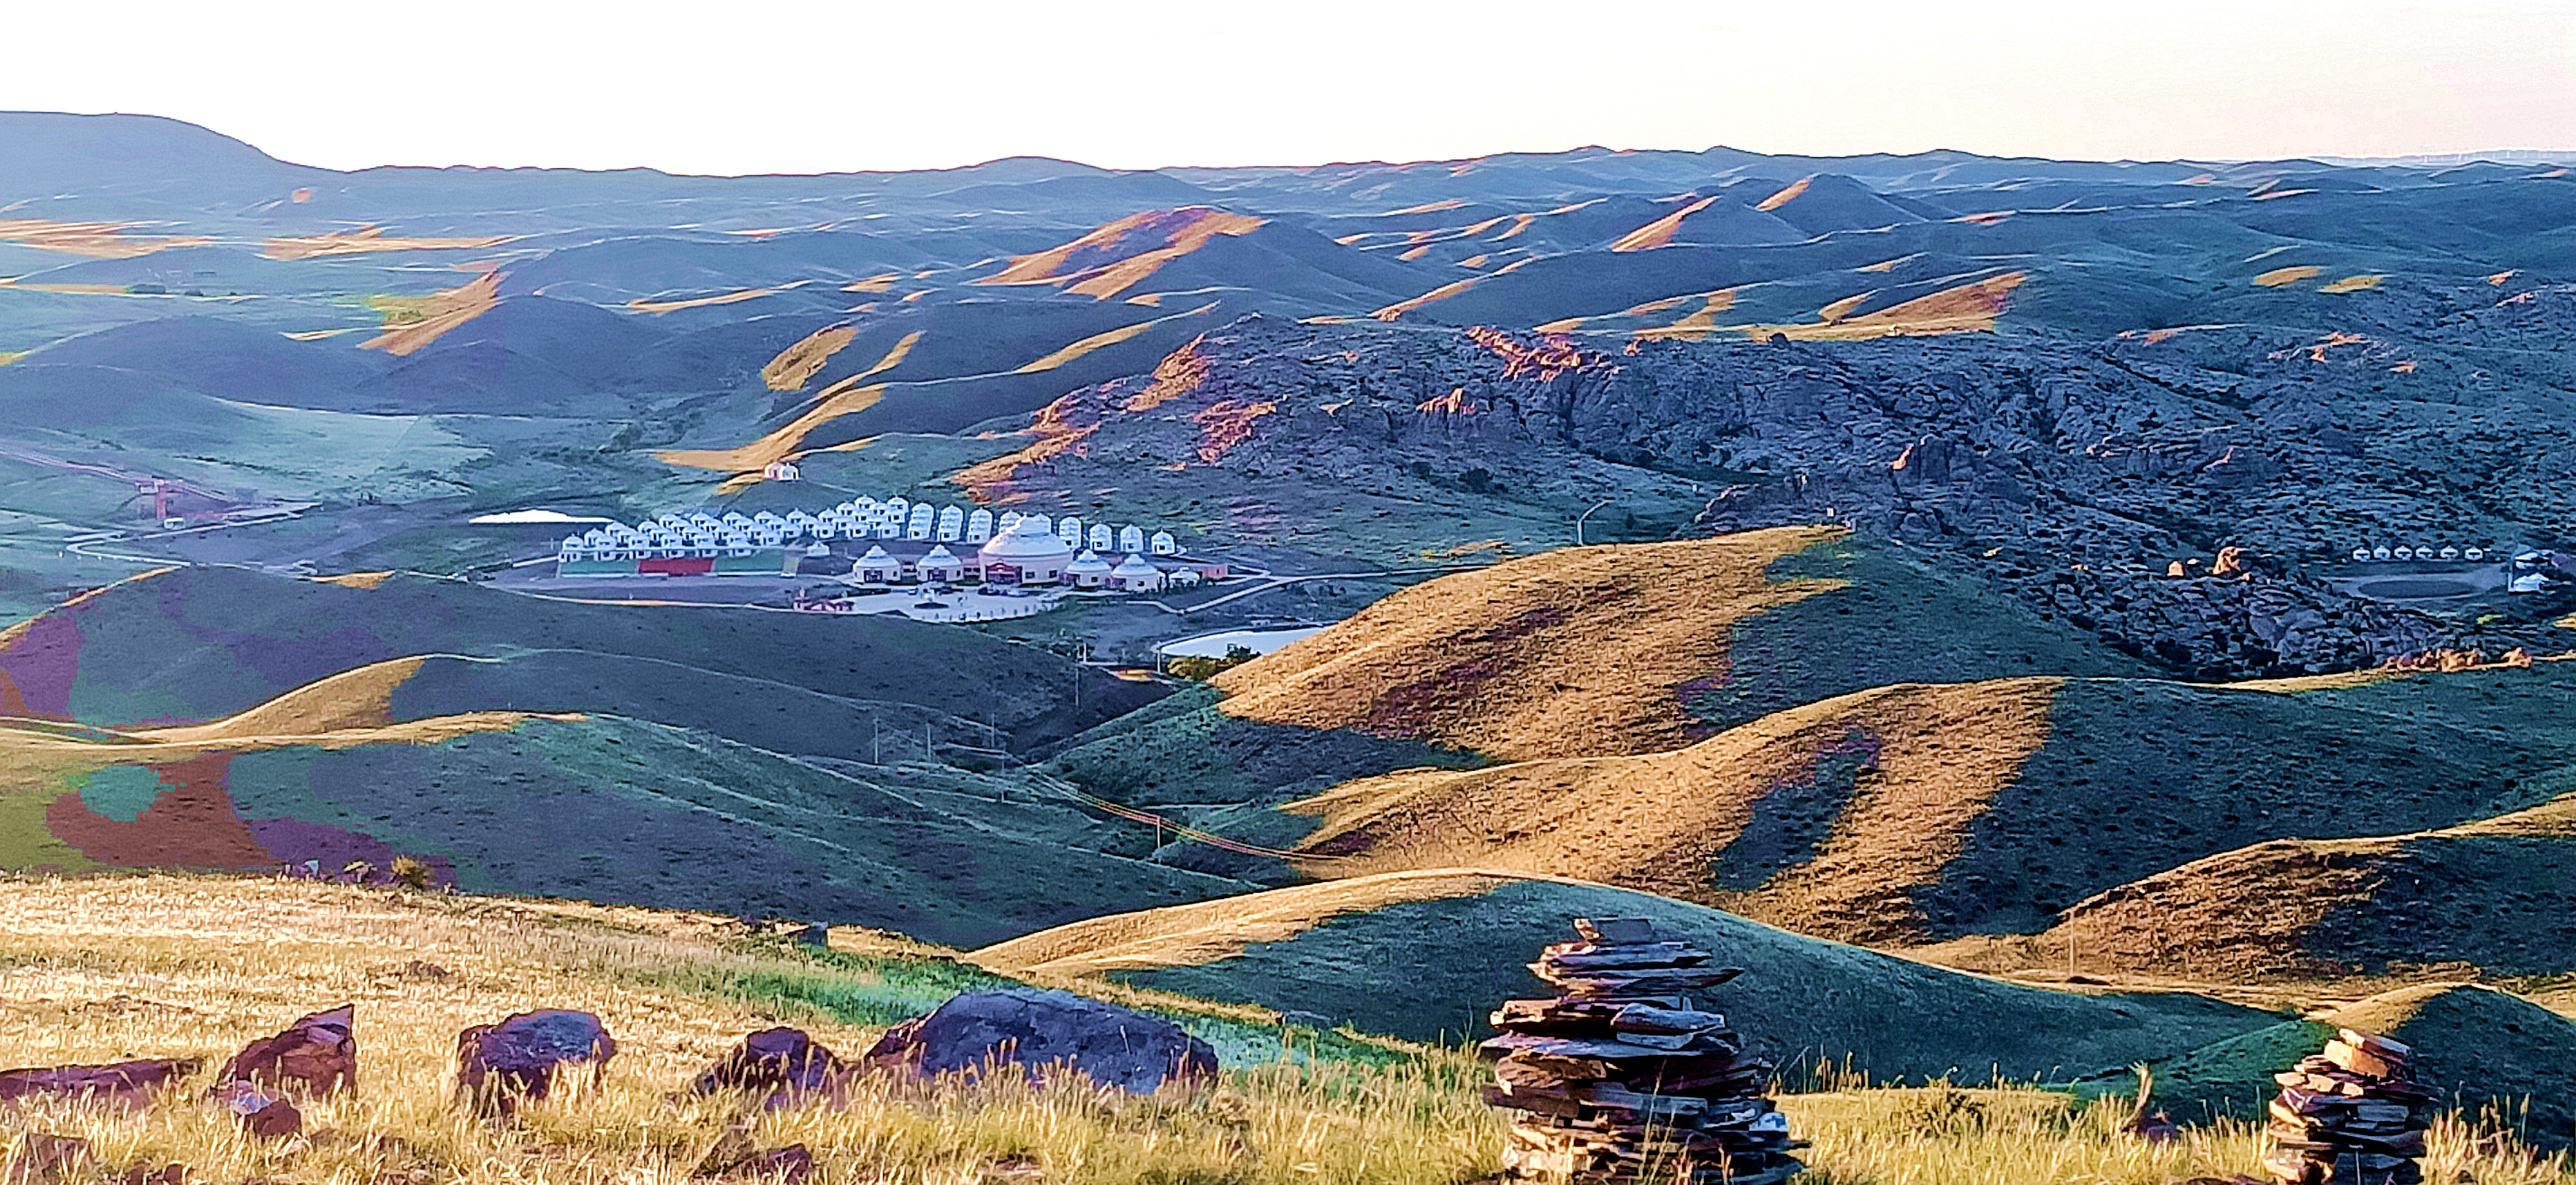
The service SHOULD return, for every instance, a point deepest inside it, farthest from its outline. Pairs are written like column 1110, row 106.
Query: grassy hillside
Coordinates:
column 2474, row 1046
column 2492, row 895
column 1604, row 651
column 599, row 808
column 161, row 966
column 1426, row 954
column 1579, row 653
column 198, row 644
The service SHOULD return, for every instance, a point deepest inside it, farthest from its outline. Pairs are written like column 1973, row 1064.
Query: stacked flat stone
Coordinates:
column 1622, row 1077
column 2349, row 1116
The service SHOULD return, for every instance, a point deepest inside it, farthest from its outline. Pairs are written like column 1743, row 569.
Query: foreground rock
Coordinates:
column 2350, row 1114
column 263, row 1114
column 1039, row 1029
column 782, row 1065
column 129, row 1084
column 735, row 1157
column 1623, row 1078
column 317, row 1057
column 40, row 1158
column 498, row 1066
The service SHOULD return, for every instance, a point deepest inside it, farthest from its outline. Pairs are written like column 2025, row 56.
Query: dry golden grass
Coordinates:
column 1429, row 207
column 101, row 969
column 1657, row 822
column 1660, row 231
column 1967, row 308
column 2351, row 284
column 371, row 239
column 875, row 283
column 797, row 365
column 2279, row 276
column 411, row 322
column 844, row 398
column 1697, row 324
column 96, row 970
column 1415, row 253
column 1888, row 265
column 1443, row 292
column 1573, row 653
column 357, row 579
column 673, row 306
column 97, row 240
column 1099, row 341
column 1786, row 195
column 1100, row 282
column 361, row 697
column 1207, row 931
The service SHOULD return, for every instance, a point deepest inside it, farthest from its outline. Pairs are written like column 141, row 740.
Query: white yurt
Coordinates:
column 1131, row 539
column 1164, row 544
column 941, row 565
column 952, row 525
column 979, row 526
column 877, row 567
column 1028, row 553
column 1087, row 570
column 1135, row 574
column 1103, row 537
column 1069, row 529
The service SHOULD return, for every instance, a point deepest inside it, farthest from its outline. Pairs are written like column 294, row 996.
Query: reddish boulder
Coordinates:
column 316, row 1056
column 783, row 1065
column 129, row 1084
column 499, row 1065
column 1039, row 1029
column 262, row 1114
column 42, row 1159
column 735, row 1157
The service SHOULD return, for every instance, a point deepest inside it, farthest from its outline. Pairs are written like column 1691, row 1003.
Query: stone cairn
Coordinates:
column 2350, row 1116
column 1623, row 1078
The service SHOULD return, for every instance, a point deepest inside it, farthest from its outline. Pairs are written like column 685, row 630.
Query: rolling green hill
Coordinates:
column 1427, row 954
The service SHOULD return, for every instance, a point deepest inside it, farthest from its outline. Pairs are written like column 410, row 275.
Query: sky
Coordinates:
column 753, row 86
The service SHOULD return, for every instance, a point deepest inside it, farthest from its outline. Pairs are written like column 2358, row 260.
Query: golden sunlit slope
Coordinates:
column 1966, row 308
column 367, row 240
column 1577, row 652
column 2491, row 895
column 97, row 240
column 1915, row 812
column 411, row 322
column 1121, row 254
column 1676, row 823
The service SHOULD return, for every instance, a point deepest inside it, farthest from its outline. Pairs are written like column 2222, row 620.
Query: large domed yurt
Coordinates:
column 1028, row 553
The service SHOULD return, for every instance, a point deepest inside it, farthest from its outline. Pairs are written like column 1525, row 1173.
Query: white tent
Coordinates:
column 1131, row 539
column 1103, row 537
column 979, row 526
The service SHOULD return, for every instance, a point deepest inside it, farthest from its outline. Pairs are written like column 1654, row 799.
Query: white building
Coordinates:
column 1131, row 539
column 1069, row 529
column 1135, row 574
column 941, row 565
column 877, row 567
column 979, row 526
column 780, row 471
column 1164, row 544
column 1028, row 553
column 1087, row 570
column 952, row 525
column 1103, row 537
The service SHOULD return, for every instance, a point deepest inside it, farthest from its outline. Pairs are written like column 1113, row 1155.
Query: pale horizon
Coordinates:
column 801, row 88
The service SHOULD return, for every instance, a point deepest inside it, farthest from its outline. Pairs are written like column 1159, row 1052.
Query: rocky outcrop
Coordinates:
column 1040, row 1030
column 521, row 1059
column 781, row 1066
column 315, row 1057
column 128, row 1084
column 2018, row 461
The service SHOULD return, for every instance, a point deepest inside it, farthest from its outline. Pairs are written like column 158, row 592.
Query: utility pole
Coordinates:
column 1578, row 519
